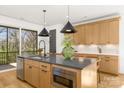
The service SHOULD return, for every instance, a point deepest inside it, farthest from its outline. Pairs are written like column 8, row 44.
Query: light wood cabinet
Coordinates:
column 92, row 33
column 95, row 33
column 45, row 75
column 32, row 72
column 109, row 64
column 35, row 79
column 27, row 73
column 104, row 33
column 101, row 32
column 114, row 31
column 38, row 74
column 45, row 79
column 89, row 34
column 109, row 31
column 79, row 36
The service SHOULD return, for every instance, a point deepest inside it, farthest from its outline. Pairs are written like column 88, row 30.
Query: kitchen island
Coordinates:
column 54, row 71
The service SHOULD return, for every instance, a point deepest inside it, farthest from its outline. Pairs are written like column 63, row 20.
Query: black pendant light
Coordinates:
column 68, row 28
column 44, row 32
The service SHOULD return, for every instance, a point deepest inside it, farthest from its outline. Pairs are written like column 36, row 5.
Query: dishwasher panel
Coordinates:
column 20, row 68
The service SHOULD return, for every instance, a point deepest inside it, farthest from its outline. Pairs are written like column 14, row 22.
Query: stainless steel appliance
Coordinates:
column 20, row 66
column 63, row 78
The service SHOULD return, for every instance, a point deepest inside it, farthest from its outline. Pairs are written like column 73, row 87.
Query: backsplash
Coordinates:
column 110, row 49
column 94, row 48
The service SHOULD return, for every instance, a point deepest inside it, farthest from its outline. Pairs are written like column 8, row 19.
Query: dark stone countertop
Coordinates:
column 59, row 60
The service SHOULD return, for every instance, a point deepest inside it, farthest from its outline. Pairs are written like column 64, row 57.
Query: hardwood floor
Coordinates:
column 9, row 80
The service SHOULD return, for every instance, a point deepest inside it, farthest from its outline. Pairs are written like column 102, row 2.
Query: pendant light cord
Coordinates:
column 44, row 17
column 68, row 13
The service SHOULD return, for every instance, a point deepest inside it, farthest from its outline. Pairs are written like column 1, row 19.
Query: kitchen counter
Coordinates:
column 42, row 71
column 104, row 54
column 59, row 60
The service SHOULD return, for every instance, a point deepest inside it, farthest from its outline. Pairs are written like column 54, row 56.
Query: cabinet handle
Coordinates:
column 107, row 60
column 44, row 70
column 91, row 42
column 98, row 63
column 30, row 66
column 43, row 66
column 107, row 57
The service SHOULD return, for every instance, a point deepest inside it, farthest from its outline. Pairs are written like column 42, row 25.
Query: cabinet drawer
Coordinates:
column 32, row 62
column 108, row 57
column 44, row 70
column 45, row 79
column 45, row 66
column 109, row 64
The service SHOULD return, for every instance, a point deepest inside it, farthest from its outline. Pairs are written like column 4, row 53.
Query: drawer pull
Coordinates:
column 43, row 66
column 107, row 57
column 107, row 60
column 44, row 70
column 30, row 66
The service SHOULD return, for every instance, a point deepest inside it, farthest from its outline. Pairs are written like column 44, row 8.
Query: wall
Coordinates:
column 121, row 44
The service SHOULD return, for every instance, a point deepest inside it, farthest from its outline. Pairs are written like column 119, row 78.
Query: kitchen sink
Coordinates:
column 37, row 57
column 40, row 57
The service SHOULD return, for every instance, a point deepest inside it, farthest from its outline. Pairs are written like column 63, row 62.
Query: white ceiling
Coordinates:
column 56, row 14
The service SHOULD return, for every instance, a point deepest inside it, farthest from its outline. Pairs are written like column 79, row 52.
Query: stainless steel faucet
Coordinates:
column 99, row 49
column 44, row 46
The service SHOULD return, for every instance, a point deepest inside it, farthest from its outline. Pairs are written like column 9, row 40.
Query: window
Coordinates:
column 28, row 41
column 9, row 44
column 13, row 44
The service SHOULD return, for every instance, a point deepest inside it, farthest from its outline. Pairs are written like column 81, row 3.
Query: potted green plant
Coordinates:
column 68, row 50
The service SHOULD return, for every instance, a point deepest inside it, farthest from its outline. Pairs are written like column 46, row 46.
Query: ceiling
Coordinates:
column 57, row 14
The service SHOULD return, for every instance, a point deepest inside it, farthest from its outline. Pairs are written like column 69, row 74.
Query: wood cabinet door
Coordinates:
column 76, row 35
column 45, row 81
column 114, row 32
column 79, row 35
column 113, row 65
column 104, row 32
column 89, row 34
column 35, row 75
column 103, row 64
column 96, row 33
column 82, row 35
column 27, row 73
column 109, row 64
